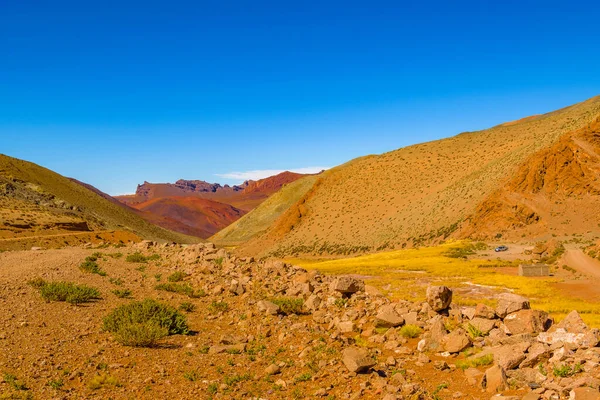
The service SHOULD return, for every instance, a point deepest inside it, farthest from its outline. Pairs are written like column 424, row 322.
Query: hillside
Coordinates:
column 36, row 202
column 417, row 194
column 190, row 215
column 258, row 220
column 200, row 208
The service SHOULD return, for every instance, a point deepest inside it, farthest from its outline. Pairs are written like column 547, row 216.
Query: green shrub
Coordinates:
column 142, row 323
column 91, row 267
column 475, row 362
column 474, row 332
column 15, row 383
column 289, row 305
column 564, row 371
column 410, row 331
column 66, row 291
column 100, row 381
column 218, row 306
column 180, row 288
column 122, row 294
column 187, row 307
column 136, row 258
column 177, row 276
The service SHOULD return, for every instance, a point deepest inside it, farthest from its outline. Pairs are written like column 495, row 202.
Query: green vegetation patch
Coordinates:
column 289, row 305
column 65, row 291
column 143, row 323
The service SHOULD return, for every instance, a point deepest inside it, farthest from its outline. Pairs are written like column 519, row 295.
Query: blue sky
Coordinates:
column 115, row 93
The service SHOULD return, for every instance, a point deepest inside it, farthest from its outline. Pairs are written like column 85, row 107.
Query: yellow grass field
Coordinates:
column 406, row 273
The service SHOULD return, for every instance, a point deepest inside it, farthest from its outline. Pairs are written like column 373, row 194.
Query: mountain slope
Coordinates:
column 258, row 220
column 190, row 215
column 48, row 203
column 215, row 206
column 555, row 192
column 415, row 194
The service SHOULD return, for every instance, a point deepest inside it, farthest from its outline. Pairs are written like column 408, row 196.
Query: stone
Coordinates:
column 272, row 369
column 439, row 297
column 527, row 321
column 509, row 303
column 456, row 341
column 473, row 375
column 346, row 326
column 560, row 335
column 313, row 302
column 357, row 359
column 536, row 353
column 387, row 317
column 483, row 311
column 267, row 307
column 494, row 380
column 348, row 285
column 483, row 324
column 572, row 324
column 584, row 393
column 509, row 357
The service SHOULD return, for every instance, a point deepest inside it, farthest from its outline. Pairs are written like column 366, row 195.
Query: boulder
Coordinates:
column 483, row 324
column 483, row 311
column 348, row 285
column 439, row 297
column 357, row 359
column 494, row 380
column 456, row 341
column 387, row 317
column 267, row 307
column 584, row 393
column 572, row 324
column 560, row 335
column 527, row 321
column 509, row 357
column 509, row 303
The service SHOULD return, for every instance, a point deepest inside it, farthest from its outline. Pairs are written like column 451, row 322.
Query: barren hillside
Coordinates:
column 415, row 194
column 36, row 202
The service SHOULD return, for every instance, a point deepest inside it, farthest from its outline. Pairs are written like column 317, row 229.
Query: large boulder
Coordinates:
column 348, row 285
column 527, row 321
column 509, row 357
column 483, row 311
column 439, row 297
column 494, row 380
column 572, row 323
column 357, row 359
column 456, row 341
column 387, row 317
column 584, row 393
column 509, row 303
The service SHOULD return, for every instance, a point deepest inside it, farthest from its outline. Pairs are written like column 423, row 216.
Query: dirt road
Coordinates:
column 575, row 258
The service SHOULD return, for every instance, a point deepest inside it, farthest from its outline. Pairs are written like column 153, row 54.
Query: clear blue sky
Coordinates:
column 117, row 92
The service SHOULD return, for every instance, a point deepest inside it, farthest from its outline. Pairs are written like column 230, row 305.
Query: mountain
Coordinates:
column 201, row 208
column 38, row 203
column 258, row 220
column 469, row 185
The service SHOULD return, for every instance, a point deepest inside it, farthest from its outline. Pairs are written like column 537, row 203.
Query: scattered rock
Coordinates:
column 439, row 297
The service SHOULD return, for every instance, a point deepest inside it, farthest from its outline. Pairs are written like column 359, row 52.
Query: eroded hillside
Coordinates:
column 415, row 194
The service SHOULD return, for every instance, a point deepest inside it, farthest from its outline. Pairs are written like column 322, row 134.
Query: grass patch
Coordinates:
column 143, row 323
column 474, row 332
column 233, row 379
column 475, row 362
column 404, row 269
column 177, row 276
column 181, row 288
column 410, row 331
column 14, row 382
column 122, row 293
column 138, row 257
column 303, row 377
column 91, row 266
column 187, row 307
column 218, row 306
column 565, row 371
column 289, row 305
column 65, row 291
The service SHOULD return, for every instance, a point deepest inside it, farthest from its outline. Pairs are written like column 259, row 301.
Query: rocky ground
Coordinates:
column 274, row 331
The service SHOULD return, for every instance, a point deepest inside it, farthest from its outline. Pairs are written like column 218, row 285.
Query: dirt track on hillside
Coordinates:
column 583, row 263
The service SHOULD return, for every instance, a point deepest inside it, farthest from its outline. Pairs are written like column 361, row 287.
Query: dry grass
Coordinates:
column 405, row 274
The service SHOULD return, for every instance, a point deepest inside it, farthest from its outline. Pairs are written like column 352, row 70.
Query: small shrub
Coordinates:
column 191, row 376
column 410, row 331
column 564, row 371
column 136, row 257
column 177, row 276
column 15, row 383
column 474, row 332
column 180, row 288
column 340, row 302
column 100, row 381
column 475, row 362
column 212, row 388
column 187, row 307
column 233, row 379
column 66, row 291
column 303, row 377
column 289, row 305
column 122, row 293
column 218, row 306
column 56, row 385
column 91, row 267
column 116, row 281
column 143, row 323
